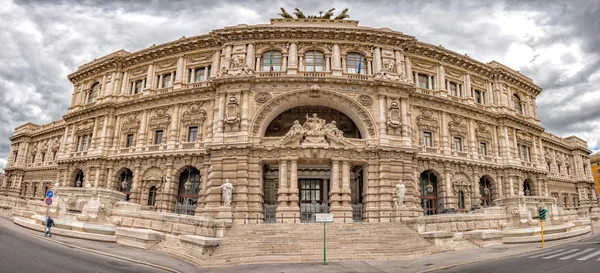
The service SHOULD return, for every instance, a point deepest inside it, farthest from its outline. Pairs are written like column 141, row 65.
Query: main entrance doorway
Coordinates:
column 311, row 199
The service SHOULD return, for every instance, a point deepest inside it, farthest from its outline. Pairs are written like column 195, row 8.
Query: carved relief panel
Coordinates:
column 194, row 116
column 232, row 115
column 427, row 122
column 394, row 118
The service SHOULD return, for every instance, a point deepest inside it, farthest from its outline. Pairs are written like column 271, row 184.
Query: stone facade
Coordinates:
column 296, row 111
column 595, row 164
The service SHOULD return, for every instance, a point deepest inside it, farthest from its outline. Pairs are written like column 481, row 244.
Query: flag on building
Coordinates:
column 359, row 63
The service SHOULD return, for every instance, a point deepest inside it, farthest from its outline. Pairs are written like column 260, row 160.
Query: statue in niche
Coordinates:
column 227, row 193
column 399, row 194
column 284, row 14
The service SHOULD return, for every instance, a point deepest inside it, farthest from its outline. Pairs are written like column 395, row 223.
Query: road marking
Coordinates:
column 545, row 253
column 559, row 254
column 589, row 256
column 576, row 254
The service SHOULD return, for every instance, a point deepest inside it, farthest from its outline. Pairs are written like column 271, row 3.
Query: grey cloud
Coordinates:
column 75, row 32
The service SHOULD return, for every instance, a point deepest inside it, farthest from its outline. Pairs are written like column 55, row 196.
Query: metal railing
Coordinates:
column 270, row 213
column 308, row 211
column 357, row 212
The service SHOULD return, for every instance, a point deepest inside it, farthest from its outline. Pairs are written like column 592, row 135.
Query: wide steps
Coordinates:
column 264, row 243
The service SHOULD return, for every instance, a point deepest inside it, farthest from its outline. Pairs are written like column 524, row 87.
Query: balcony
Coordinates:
column 357, row 76
column 161, row 90
column 316, row 74
column 263, row 74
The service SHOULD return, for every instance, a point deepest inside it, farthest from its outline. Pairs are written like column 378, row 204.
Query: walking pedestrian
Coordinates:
column 49, row 224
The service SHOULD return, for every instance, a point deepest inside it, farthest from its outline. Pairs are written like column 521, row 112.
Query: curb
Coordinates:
column 445, row 267
column 99, row 252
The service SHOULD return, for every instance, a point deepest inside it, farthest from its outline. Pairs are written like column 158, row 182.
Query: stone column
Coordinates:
column 250, row 56
column 97, row 177
column 215, row 63
column 336, row 68
column 335, row 185
column 140, row 143
column 468, row 85
column 382, row 118
column 400, row 62
column 473, row 141
column 282, row 190
column 445, row 140
column 507, row 146
column 511, row 185
column 346, row 191
column 150, row 77
column 377, row 60
column 109, row 179
column 293, row 186
column 179, row 74
column 499, row 187
column 293, row 59
column 441, row 77
column 284, row 63
column 245, row 104
column 136, row 187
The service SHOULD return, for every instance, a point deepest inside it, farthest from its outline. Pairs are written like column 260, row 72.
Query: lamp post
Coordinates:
column 486, row 193
column 187, row 186
column 124, row 185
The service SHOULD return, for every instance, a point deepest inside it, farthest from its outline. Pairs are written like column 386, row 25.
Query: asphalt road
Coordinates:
column 578, row 257
column 22, row 252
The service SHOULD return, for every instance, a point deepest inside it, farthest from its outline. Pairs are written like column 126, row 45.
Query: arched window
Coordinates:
column 94, row 93
column 461, row 200
column 314, row 61
column 125, row 182
column 187, row 197
column 527, row 188
column 517, row 104
column 355, row 64
column 271, row 61
column 78, row 179
column 152, row 196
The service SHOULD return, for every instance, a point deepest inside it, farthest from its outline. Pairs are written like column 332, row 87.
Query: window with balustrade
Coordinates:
column 517, row 104
column 453, row 88
column 314, row 61
column 272, row 61
column 483, row 148
column 198, row 74
column 138, row 87
column 479, row 96
column 165, row 80
column 424, row 81
column 355, row 64
column 427, row 139
column 94, row 92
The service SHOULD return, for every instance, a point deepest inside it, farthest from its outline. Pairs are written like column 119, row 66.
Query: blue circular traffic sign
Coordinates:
column 48, row 201
column 49, row 194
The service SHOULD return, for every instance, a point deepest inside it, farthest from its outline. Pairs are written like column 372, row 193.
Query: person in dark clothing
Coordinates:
column 49, row 224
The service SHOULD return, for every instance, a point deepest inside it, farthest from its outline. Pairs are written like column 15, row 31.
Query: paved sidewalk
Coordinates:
column 425, row 264
column 112, row 249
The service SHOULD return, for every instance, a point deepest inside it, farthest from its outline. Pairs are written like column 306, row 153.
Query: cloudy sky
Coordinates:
column 556, row 43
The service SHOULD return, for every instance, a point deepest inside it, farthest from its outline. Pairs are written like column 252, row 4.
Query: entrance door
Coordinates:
column 311, row 199
column 311, row 189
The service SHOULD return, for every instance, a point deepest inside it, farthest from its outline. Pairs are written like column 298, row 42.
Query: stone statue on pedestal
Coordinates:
column 226, row 196
column 399, row 194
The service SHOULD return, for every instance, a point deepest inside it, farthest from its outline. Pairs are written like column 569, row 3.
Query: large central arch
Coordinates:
column 314, row 97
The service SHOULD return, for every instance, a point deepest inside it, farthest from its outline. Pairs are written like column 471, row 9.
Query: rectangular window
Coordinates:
column 478, row 97
column 158, row 136
column 199, row 74
column 424, row 81
column 427, row 139
column 166, row 82
column 524, row 152
column 84, row 141
column 453, row 87
column 129, row 142
column 483, row 148
column 53, row 156
column 16, row 155
column 193, row 134
column 137, row 88
column 458, row 144
column 43, row 157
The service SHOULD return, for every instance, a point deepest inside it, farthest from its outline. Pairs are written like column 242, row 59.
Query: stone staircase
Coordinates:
column 272, row 243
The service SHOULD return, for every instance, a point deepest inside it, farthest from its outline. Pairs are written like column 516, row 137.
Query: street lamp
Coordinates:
column 162, row 193
column 429, row 187
column 124, row 185
column 486, row 193
column 187, row 186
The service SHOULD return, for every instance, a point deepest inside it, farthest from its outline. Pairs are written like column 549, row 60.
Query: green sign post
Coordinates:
column 324, row 218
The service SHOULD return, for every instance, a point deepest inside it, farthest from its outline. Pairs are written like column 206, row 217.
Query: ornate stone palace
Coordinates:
column 315, row 114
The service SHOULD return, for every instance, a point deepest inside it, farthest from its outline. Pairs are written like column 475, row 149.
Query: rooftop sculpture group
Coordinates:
column 300, row 15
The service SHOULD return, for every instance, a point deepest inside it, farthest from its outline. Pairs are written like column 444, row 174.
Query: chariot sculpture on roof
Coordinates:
column 327, row 15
